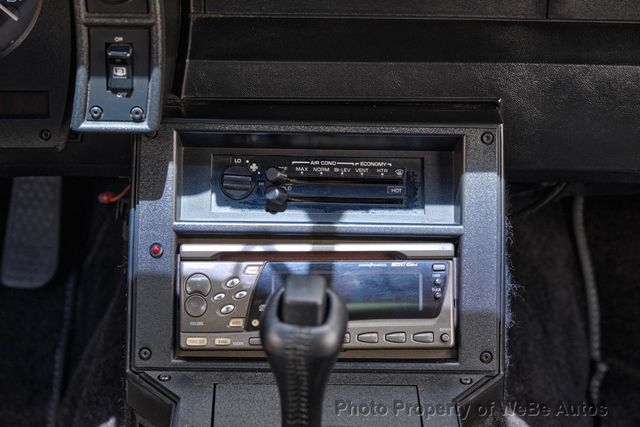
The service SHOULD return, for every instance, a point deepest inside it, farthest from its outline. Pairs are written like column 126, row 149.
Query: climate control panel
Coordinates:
column 277, row 182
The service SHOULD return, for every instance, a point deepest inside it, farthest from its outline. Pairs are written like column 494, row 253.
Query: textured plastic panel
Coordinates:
column 117, row 108
column 433, row 8
column 154, row 24
column 568, row 90
column 479, row 243
column 595, row 10
column 236, row 399
column 203, row 396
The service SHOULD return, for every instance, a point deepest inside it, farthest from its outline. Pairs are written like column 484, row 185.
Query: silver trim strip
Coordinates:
column 199, row 251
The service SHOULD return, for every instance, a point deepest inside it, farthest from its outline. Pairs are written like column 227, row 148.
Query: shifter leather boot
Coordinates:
column 303, row 328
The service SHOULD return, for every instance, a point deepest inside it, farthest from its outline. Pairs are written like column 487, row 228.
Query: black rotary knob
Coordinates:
column 276, row 176
column 276, row 196
column 276, row 199
column 237, row 182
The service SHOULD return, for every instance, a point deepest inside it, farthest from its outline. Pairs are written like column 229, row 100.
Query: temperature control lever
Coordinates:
column 276, row 176
column 303, row 328
column 277, row 198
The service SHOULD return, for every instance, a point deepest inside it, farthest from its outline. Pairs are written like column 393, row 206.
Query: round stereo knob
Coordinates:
column 276, row 176
column 237, row 182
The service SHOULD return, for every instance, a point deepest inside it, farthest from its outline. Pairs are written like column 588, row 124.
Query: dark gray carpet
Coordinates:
column 549, row 363
column 613, row 228
column 91, row 383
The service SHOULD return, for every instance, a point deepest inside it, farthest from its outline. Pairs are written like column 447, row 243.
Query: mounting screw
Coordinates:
column 95, row 112
column 137, row 114
column 45, row 134
column 466, row 380
column 487, row 138
column 156, row 250
column 144, row 353
column 486, row 357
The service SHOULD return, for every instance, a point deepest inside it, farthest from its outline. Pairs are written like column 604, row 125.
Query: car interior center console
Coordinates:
column 404, row 222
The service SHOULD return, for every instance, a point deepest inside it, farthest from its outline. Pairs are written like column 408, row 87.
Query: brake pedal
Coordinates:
column 31, row 243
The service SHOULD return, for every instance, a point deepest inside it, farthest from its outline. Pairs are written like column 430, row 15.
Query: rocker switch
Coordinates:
column 120, row 68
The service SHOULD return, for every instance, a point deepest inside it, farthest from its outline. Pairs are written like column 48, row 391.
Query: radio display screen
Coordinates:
column 371, row 289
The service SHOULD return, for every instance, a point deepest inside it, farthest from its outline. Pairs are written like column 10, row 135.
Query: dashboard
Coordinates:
column 552, row 68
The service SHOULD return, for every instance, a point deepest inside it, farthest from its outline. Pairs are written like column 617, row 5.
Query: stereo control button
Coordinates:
column 232, row 283
column 252, row 270
column 347, row 338
column 198, row 283
column 240, row 295
column 396, row 337
column 196, row 341
column 425, row 337
column 219, row 296
column 445, row 337
column 437, row 281
column 222, row 341
column 255, row 341
column 236, row 322
column 195, row 306
column 227, row 309
column 369, row 337
column 439, row 267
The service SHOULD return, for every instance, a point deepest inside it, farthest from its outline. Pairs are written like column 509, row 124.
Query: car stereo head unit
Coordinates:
column 398, row 295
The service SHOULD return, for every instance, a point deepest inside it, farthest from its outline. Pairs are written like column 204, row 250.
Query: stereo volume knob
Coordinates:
column 237, row 182
column 276, row 176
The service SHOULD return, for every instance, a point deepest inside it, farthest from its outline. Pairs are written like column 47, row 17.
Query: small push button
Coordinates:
column 396, row 337
column 198, row 283
column 236, row 322
column 227, row 309
column 219, row 296
column 424, row 337
column 232, row 283
column 439, row 267
column 368, row 338
column 196, row 341
column 347, row 338
column 240, row 295
column 255, row 341
column 195, row 306
column 252, row 270
column 222, row 341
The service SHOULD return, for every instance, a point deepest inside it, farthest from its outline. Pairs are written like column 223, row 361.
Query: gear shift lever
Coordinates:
column 302, row 332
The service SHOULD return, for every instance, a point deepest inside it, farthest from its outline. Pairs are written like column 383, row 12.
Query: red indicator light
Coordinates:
column 156, row 250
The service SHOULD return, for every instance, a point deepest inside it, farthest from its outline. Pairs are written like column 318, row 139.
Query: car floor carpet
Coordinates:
column 548, row 346
column 45, row 332
column 613, row 230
